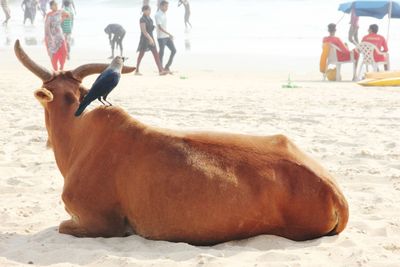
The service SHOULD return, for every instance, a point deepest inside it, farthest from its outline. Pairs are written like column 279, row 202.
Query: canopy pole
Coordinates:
column 390, row 17
column 340, row 20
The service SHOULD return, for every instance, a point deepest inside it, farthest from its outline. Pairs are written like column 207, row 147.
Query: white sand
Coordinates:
column 352, row 131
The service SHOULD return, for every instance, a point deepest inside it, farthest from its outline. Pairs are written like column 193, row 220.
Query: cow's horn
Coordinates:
column 88, row 69
column 36, row 69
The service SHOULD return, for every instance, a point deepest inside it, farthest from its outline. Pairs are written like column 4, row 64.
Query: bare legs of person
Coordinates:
column 387, row 65
column 119, row 43
column 6, row 11
column 68, row 40
column 156, row 58
column 353, row 35
column 59, row 57
column 167, row 42
column 115, row 42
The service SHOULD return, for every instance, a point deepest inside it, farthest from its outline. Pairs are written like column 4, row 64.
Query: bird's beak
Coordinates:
column 124, row 59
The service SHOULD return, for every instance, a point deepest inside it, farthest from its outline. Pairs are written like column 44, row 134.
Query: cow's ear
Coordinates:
column 43, row 95
column 83, row 92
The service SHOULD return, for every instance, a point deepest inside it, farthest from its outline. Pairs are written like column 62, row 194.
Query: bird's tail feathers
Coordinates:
column 80, row 109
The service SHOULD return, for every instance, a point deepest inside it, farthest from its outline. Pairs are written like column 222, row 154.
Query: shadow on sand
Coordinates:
column 49, row 247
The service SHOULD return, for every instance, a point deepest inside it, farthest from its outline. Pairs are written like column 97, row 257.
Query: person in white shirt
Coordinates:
column 165, row 39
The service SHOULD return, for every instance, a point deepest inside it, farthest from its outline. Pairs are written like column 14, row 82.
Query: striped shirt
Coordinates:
column 68, row 22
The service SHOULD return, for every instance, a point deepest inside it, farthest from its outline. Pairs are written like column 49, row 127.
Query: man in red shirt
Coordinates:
column 343, row 54
column 379, row 41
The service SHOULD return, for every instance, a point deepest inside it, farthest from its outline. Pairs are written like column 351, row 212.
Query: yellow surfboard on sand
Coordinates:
column 387, row 78
column 382, row 75
column 323, row 62
column 380, row 82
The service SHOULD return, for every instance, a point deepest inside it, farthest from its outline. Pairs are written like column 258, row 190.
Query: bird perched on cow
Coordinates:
column 103, row 85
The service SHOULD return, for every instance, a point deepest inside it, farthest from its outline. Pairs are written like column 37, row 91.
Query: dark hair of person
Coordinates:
column 52, row 3
column 146, row 7
column 66, row 3
column 374, row 28
column 163, row 3
column 332, row 27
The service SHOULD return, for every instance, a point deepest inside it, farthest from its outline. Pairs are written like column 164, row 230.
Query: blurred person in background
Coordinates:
column 6, row 10
column 67, row 25
column 54, row 36
column 165, row 39
column 43, row 7
column 186, row 4
column 29, row 7
column 116, row 34
column 146, row 42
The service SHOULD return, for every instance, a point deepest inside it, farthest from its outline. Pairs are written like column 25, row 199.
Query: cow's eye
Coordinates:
column 70, row 98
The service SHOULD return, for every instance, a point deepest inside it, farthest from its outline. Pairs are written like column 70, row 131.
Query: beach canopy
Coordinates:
column 372, row 8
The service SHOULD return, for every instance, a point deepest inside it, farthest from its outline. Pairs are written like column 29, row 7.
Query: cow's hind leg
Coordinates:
column 70, row 227
column 91, row 219
column 94, row 227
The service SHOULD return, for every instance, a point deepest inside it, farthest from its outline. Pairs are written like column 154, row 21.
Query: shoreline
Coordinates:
column 186, row 63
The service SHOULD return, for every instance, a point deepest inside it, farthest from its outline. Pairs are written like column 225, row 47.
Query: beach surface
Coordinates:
column 352, row 131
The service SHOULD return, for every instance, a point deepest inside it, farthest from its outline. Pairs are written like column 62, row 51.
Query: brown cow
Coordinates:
column 121, row 176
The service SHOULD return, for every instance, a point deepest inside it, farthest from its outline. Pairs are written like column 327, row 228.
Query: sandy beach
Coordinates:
column 352, row 131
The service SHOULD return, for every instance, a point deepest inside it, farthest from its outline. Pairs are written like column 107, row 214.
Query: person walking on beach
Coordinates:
column 353, row 31
column 186, row 4
column 165, row 39
column 67, row 25
column 29, row 7
column 379, row 41
column 146, row 42
column 6, row 10
column 43, row 7
column 54, row 37
column 116, row 34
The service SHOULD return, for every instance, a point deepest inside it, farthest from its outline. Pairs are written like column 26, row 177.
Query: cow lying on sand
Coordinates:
column 121, row 176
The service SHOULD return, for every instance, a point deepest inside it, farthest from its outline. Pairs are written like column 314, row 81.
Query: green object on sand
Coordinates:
column 290, row 84
column 183, row 78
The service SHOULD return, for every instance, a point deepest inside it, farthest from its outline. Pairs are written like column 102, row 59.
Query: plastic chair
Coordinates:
column 333, row 60
column 367, row 59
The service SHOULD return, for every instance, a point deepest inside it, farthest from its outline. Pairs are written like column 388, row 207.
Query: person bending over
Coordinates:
column 116, row 34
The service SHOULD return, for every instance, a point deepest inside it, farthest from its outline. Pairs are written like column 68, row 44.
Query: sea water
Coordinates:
column 286, row 29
